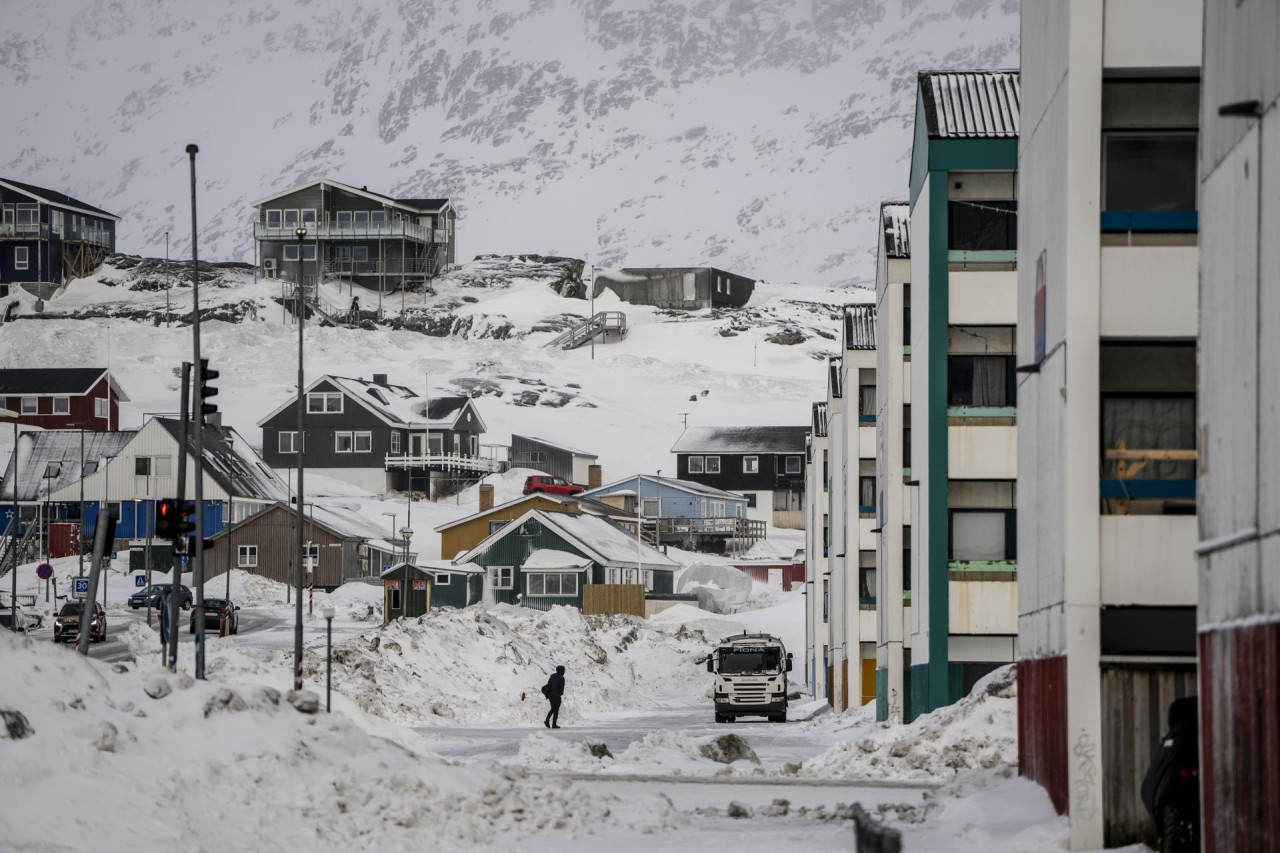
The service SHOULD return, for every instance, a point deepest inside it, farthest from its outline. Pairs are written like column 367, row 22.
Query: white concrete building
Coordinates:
column 837, row 532
column 1239, row 420
column 893, row 459
column 817, row 577
column 1106, row 399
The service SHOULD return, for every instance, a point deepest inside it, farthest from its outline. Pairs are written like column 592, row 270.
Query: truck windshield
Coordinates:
column 748, row 661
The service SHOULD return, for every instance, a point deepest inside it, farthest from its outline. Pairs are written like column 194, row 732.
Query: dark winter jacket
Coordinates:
column 1179, row 749
column 555, row 685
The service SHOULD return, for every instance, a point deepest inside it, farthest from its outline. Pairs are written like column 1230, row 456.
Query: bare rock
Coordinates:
column 157, row 688
column 224, row 700
column 778, row 808
column 269, row 694
column 738, row 810
column 103, row 736
column 727, row 749
column 599, row 750
column 304, row 701
column 16, row 726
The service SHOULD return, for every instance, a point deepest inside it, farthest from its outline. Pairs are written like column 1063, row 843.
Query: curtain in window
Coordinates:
column 867, row 399
column 867, row 491
column 977, row 536
column 1150, row 423
column 979, row 380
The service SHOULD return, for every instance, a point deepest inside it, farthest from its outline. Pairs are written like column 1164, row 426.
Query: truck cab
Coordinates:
column 751, row 677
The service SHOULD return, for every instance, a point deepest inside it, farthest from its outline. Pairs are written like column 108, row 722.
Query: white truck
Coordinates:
column 751, row 677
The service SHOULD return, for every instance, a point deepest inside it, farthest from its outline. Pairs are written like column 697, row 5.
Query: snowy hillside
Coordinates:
column 755, row 135
column 483, row 333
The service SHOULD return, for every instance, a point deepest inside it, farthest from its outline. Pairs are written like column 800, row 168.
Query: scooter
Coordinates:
column 1171, row 788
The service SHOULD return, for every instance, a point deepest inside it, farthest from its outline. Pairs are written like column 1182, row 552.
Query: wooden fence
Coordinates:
column 613, row 598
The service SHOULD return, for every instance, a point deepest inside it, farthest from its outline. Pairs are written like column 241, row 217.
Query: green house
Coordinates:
column 406, row 591
column 454, row 584
column 542, row 559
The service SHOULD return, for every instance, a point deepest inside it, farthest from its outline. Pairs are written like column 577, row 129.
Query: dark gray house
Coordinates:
column 380, row 436
column 49, row 237
column 554, row 459
column 371, row 239
column 766, row 464
column 687, row 288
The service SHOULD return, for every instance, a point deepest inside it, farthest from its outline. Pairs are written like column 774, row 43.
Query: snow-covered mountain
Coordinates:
column 754, row 135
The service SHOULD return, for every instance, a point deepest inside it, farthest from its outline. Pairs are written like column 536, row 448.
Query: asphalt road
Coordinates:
column 118, row 621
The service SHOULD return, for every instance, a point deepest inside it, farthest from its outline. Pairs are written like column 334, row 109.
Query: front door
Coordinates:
column 417, row 444
column 457, row 444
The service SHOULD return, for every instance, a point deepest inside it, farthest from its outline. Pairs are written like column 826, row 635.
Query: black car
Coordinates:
column 157, row 592
column 66, row 625
column 215, row 610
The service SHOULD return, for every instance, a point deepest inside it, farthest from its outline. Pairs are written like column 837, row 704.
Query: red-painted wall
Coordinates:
column 1042, row 725
column 792, row 573
column 82, row 410
column 62, row 538
column 1240, row 738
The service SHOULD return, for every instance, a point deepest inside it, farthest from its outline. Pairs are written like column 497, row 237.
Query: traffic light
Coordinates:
column 186, row 524
column 206, row 390
column 166, row 519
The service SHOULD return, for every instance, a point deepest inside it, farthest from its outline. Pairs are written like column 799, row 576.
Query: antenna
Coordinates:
column 685, row 415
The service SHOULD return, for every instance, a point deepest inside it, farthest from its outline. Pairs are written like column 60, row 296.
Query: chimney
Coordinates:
column 486, row 497
column 595, row 477
column 380, row 379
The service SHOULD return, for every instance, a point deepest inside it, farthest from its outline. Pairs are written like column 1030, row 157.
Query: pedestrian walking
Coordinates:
column 554, row 691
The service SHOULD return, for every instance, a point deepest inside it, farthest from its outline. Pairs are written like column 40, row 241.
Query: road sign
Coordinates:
column 81, row 589
column 114, row 554
column 185, row 558
column 44, row 571
column 139, row 580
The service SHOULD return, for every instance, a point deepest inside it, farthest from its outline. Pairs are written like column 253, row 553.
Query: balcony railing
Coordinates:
column 41, row 231
column 336, row 231
column 19, row 230
column 387, row 266
column 446, row 462
column 743, row 528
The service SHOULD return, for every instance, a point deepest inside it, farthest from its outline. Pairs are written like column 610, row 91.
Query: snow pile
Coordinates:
column 978, row 732
column 247, row 589
column 720, row 589
column 658, row 753
column 354, row 599
column 112, row 739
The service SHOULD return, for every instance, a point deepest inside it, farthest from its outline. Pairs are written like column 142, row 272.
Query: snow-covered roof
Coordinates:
column 896, row 220
column 587, row 505
column 398, row 405
column 57, row 199
column 424, row 205
column 971, row 104
column 601, row 539
column 37, row 450
column 54, row 380
column 744, row 439
column 835, row 381
column 557, row 446
column 682, row 485
column 550, row 558
column 820, row 419
column 339, row 521
column 443, row 566
column 232, row 463
column 860, row 326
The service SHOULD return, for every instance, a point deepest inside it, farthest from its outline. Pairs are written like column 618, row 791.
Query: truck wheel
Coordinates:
column 720, row 718
column 778, row 718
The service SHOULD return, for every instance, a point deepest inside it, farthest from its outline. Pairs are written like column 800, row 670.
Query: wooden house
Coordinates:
column 352, row 234
column 379, row 436
column 549, row 457
column 542, row 559
column 463, row 534
column 765, row 464
column 687, row 288
column 446, row 585
column 684, row 512
column 60, row 397
column 48, row 237
column 342, row 546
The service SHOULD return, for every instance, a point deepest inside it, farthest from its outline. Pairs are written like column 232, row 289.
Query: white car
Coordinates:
column 27, row 620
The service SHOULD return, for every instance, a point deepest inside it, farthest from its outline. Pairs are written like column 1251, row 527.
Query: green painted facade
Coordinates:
column 400, row 598
column 461, row 591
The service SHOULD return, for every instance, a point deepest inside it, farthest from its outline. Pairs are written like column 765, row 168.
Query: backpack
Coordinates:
column 545, row 691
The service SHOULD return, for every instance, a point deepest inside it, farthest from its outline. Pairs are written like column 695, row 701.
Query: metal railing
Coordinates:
column 446, row 462
column 745, row 528
column 337, row 231
column 600, row 324
column 24, row 229
column 41, row 230
column 387, row 266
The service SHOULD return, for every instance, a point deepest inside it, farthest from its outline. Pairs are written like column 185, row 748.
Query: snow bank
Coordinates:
column 247, row 590
column 659, row 753
column 978, row 732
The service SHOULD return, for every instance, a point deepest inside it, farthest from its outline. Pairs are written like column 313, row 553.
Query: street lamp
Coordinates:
column 328, row 659
column 302, row 438
column 392, row 516
column 13, row 521
column 406, row 532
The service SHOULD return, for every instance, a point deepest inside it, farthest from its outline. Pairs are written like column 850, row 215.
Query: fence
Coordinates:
column 871, row 836
column 613, row 598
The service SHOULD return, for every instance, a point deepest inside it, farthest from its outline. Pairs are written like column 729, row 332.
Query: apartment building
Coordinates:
column 1106, row 398
column 1238, row 488
column 963, row 418
column 837, row 532
column 893, row 461
column 816, row 547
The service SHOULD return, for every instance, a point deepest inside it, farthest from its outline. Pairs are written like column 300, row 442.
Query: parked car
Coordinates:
column 158, row 592
column 550, row 485
column 20, row 618
column 215, row 610
column 66, row 625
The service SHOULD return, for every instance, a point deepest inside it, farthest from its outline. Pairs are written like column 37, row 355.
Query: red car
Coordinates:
column 551, row 486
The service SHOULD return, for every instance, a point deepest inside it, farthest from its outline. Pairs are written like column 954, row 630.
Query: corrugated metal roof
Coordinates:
column 971, row 104
column 835, row 386
column 36, row 451
column 820, row 419
column 895, row 217
column 860, row 327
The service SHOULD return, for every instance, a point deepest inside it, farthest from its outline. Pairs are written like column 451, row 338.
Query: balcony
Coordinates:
column 335, row 231
column 41, row 231
column 1148, row 559
column 387, row 266
column 446, row 462
column 24, row 231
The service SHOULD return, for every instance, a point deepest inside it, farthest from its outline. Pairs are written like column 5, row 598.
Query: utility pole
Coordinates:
column 13, row 521
column 198, row 424
column 80, row 535
column 591, row 293
column 302, row 465
column 175, row 566
column 168, row 317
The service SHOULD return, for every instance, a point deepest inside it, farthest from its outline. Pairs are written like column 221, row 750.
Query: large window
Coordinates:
column 101, row 407
column 711, row 464
column 649, row 507
column 695, row 464
column 1149, row 423
column 983, row 535
column 867, row 493
column 500, row 577
column 1149, row 171
column 324, row 402
column 981, row 380
column 788, row 500
column 61, row 405
column 287, row 442
column 291, row 252
column 247, row 556
column 983, row 225
column 547, row 583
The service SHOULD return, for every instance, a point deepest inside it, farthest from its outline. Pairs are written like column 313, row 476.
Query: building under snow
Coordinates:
column 685, row 288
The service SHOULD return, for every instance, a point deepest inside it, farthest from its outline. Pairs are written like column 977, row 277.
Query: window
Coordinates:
column 716, row 509
column 986, row 535
column 324, row 402
column 288, row 442
column 793, row 465
column 867, row 493
column 61, row 405
column 1154, row 422
column 867, row 584
column 495, row 526
column 787, row 500
column 751, row 464
column 393, row 596
column 309, row 217
column 362, row 219
column 247, row 556
column 291, row 219
column 90, row 467
column 342, row 442
column 649, row 507
column 395, row 442
column 728, row 287
column 344, row 219
column 435, row 443
column 906, row 315
column 364, row 442
column 162, row 466
column 360, row 253
column 442, row 579
column 378, row 218
column 826, row 472
column 500, row 577
column 980, row 226
column 981, row 380
column 695, row 464
column 711, row 464
column 539, row 583
column 751, row 499
column 20, row 258
column 273, row 219
column 1149, row 171
column 867, row 400
column 142, row 466
column 53, row 469
column 291, row 251
column 102, row 408
column 30, row 405
column 309, row 251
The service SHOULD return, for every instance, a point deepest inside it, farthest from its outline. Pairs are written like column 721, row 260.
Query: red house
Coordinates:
column 60, row 397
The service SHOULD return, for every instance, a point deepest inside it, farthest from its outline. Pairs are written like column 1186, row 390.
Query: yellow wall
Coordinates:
column 466, row 536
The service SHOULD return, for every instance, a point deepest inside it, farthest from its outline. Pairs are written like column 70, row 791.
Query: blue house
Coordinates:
column 684, row 513
column 49, row 237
